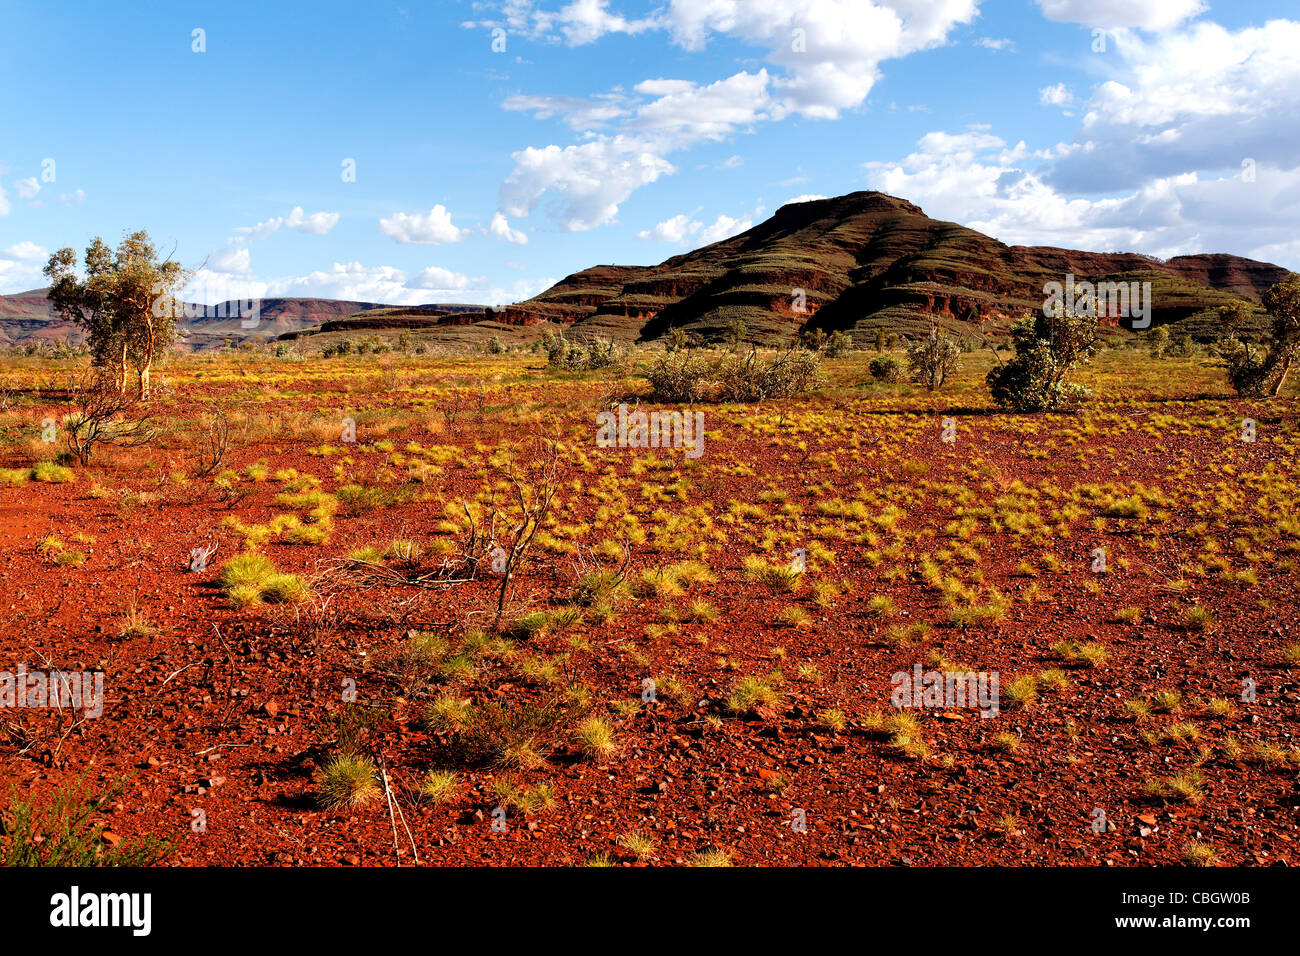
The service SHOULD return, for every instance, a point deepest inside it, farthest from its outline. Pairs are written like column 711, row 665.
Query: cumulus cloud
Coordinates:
column 997, row 44
column 1203, row 98
column 317, row 224
column 585, row 21
column 806, row 197
column 27, row 188
column 4, row 203
column 500, row 227
column 234, row 259
column 685, row 230
column 675, row 229
column 210, row 286
column 976, row 179
column 1056, row 95
column 724, row 227
column 20, row 267
column 1115, row 14
column 27, row 252
column 588, row 181
column 823, row 57
column 431, row 229
column 436, row 278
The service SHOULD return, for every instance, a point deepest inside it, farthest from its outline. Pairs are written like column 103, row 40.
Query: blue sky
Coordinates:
column 499, row 146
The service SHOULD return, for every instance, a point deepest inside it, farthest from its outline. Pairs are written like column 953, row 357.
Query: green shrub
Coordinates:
column 61, row 834
column 1048, row 349
column 885, row 368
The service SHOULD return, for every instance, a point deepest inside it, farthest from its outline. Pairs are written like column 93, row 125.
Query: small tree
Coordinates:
column 837, row 345
column 1048, row 348
column 932, row 360
column 126, row 302
column 89, row 302
column 736, row 333
column 1158, row 341
column 1255, row 371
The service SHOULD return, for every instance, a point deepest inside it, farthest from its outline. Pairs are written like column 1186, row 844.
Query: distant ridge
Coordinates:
column 857, row 263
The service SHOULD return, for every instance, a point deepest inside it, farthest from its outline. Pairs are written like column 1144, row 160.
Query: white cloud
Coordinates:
column 74, row 198
column 589, row 180
column 1203, row 98
column 27, row 252
column 997, row 44
column 975, row 179
column 500, row 227
column 806, row 197
column 584, row 21
column 580, row 113
column 1056, row 95
column 675, row 229
column 317, row 224
column 731, row 162
column 20, row 267
column 724, row 227
column 692, row 113
column 232, row 259
column 1115, row 14
column 27, row 188
column 684, row 230
column 438, row 279
column 824, row 54
column 4, row 203
column 432, row 229
column 830, row 49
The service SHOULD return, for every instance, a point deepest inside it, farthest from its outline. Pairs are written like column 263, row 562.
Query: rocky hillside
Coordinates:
column 857, row 263
column 865, row 261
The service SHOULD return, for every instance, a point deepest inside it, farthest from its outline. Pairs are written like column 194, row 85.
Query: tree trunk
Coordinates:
column 1281, row 380
column 146, row 363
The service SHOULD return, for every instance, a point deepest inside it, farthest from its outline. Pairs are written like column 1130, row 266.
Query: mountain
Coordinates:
column 856, row 263
column 865, row 261
column 26, row 316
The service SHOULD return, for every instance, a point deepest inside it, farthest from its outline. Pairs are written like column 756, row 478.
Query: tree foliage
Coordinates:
column 125, row 299
column 932, row 360
column 1256, row 370
column 1048, row 348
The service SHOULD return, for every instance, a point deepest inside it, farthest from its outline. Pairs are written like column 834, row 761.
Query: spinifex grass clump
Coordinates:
column 348, row 780
column 751, row 693
column 252, row 579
